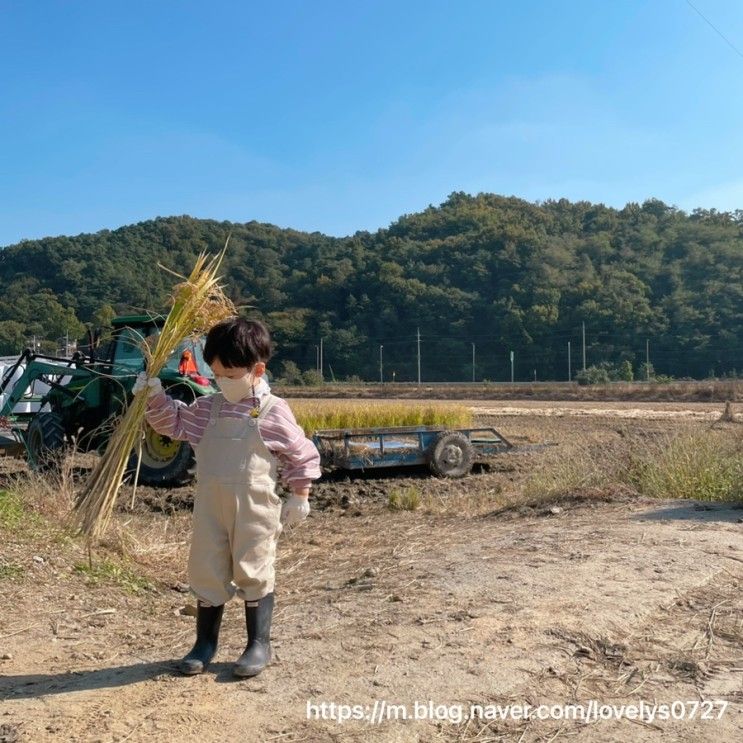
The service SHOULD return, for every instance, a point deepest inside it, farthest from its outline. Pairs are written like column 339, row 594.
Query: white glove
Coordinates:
column 153, row 384
column 295, row 510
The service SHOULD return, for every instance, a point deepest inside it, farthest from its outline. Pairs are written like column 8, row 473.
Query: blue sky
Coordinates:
column 340, row 116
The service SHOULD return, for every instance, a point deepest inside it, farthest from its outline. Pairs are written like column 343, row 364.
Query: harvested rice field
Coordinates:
column 546, row 577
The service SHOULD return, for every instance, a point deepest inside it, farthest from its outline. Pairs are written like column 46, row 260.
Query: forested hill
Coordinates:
column 500, row 273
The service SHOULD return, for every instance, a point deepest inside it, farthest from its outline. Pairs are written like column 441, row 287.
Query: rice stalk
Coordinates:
column 197, row 303
column 316, row 415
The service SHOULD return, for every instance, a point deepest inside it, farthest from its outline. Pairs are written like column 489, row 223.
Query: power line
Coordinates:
column 715, row 29
column 551, row 341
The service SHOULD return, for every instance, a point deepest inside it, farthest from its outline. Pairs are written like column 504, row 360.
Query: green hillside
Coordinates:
column 502, row 273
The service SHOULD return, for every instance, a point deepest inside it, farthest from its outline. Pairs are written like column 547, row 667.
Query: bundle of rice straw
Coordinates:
column 197, row 304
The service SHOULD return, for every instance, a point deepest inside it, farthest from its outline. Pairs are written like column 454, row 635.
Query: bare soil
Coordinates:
column 476, row 597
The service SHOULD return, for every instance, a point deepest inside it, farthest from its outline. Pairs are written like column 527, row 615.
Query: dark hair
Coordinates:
column 237, row 342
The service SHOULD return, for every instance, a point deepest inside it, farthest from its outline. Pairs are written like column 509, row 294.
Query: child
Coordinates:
column 238, row 435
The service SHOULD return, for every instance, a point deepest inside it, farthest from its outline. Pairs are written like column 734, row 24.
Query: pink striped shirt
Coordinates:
column 284, row 438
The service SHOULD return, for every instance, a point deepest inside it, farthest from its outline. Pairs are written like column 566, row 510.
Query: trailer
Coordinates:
column 448, row 452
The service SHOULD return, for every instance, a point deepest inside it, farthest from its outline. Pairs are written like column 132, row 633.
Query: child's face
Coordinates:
column 236, row 372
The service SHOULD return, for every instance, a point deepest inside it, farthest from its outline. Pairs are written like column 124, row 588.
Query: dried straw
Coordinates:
column 198, row 302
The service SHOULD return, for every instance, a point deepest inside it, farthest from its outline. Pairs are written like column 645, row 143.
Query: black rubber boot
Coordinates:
column 208, row 621
column 258, row 652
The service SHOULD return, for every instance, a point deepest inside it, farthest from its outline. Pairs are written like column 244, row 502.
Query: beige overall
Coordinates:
column 236, row 518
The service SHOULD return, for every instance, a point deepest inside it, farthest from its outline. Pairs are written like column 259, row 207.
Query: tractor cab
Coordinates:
column 125, row 350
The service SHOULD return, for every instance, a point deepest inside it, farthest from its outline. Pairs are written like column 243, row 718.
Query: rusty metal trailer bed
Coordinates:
column 448, row 452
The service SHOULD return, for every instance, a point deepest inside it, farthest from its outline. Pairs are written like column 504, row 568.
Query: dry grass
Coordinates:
column 703, row 464
column 137, row 550
column 703, row 467
column 45, row 500
column 587, row 466
column 317, row 415
column 157, row 543
column 464, row 504
column 404, row 499
column 110, row 572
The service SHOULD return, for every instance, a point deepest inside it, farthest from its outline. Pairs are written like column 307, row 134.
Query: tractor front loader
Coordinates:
column 85, row 395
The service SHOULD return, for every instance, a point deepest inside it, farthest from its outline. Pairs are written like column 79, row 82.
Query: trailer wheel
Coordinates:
column 451, row 455
column 46, row 442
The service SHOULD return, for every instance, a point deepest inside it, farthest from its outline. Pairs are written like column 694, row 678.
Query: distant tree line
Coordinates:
column 500, row 273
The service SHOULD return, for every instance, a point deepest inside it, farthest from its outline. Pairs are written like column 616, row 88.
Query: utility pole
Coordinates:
column 584, row 346
column 570, row 370
column 381, row 368
column 647, row 359
column 321, row 360
column 317, row 358
column 511, row 367
column 419, row 355
column 473, row 362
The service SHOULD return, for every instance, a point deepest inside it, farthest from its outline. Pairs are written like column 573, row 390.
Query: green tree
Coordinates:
column 500, row 272
column 12, row 337
column 626, row 373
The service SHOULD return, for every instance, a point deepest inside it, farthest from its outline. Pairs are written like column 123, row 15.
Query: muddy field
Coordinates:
column 479, row 596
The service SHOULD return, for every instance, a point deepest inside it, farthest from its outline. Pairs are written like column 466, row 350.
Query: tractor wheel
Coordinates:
column 165, row 461
column 451, row 455
column 46, row 442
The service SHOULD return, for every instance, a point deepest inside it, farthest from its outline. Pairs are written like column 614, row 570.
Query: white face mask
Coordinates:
column 235, row 390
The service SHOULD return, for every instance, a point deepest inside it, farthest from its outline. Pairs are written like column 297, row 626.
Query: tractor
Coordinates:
column 81, row 398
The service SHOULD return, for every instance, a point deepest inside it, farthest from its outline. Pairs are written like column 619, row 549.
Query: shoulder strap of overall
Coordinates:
column 268, row 403
column 216, row 406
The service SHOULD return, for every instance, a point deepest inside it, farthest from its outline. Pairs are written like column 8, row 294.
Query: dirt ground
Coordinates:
column 476, row 597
